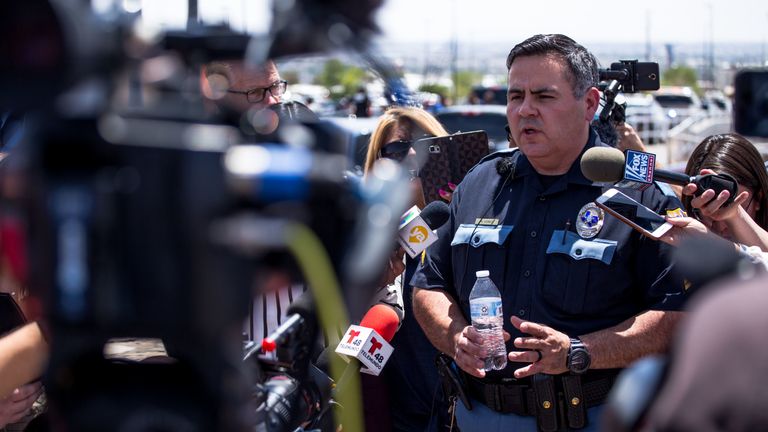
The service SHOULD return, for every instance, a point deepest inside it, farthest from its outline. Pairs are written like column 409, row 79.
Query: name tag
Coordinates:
column 486, row 221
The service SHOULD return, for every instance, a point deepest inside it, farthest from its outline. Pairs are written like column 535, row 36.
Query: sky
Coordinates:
column 674, row 21
column 509, row 21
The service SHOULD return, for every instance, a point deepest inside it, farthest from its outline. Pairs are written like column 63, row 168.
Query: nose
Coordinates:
column 271, row 100
column 527, row 108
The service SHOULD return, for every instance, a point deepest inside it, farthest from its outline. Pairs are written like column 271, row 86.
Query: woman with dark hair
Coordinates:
column 746, row 219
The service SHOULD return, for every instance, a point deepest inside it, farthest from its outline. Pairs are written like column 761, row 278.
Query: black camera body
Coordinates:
column 750, row 103
column 633, row 76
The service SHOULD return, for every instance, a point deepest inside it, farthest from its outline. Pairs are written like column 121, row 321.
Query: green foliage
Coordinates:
column 680, row 76
column 435, row 88
column 464, row 80
column 340, row 78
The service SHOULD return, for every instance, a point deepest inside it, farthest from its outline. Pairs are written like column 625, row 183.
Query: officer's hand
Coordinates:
column 552, row 345
column 470, row 351
column 15, row 406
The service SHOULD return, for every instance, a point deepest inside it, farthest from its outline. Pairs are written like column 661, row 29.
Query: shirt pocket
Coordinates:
column 570, row 260
column 478, row 247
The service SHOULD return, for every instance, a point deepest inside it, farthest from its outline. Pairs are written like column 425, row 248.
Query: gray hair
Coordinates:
column 582, row 64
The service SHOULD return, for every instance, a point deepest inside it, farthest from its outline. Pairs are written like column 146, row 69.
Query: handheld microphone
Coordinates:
column 369, row 341
column 416, row 230
column 637, row 171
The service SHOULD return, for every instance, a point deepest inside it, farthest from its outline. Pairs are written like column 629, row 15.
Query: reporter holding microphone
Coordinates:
column 415, row 402
column 746, row 219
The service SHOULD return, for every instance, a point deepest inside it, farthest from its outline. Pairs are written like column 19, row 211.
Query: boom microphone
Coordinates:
column 637, row 170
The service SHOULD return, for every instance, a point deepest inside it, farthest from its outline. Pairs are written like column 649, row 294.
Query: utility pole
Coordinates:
column 454, row 54
column 648, row 52
column 192, row 16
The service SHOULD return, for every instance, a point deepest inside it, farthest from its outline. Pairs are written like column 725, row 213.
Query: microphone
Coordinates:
column 505, row 166
column 369, row 341
column 637, row 171
column 301, row 322
column 435, row 214
column 416, row 231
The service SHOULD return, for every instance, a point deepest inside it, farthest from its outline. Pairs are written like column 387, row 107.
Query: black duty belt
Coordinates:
column 553, row 399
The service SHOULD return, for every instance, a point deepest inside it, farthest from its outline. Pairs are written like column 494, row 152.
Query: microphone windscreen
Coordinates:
column 383, row 319
column 435, row 214
column 603, row 164
column 504, row 166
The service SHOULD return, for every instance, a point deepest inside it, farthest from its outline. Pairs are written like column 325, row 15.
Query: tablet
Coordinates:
column 447, row 159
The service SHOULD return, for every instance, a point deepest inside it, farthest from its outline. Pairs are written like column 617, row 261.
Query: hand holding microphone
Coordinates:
column 713, row 204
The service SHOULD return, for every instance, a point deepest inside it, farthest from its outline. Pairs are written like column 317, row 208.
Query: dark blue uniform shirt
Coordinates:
column 545, row 271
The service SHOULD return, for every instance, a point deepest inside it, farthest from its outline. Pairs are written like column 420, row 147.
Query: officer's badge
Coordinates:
column 589, row 222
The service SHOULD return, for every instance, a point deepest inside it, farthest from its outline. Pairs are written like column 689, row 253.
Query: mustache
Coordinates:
column 529, row 123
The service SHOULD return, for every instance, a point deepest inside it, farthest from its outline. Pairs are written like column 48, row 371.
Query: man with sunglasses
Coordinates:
column 583, row 294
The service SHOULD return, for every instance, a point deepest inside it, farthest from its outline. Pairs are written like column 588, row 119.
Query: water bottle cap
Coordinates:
column 482, row 273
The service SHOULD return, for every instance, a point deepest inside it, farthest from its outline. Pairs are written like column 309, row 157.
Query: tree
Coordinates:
column 435, row 88
column 340, row 78
column 464, row 81
column 680, row 76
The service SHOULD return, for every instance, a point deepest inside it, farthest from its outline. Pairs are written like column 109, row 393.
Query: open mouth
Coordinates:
column 530, row 131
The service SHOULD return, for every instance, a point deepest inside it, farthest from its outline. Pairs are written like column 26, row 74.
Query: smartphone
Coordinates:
column 633, row 213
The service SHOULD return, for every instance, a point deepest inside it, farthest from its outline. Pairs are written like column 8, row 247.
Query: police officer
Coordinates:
column 586, row 294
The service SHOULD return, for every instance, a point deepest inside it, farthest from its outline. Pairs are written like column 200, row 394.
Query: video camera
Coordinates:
column 150, row 220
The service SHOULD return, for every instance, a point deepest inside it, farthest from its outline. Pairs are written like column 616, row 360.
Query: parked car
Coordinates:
column 647, row 117
column 488, row 95
column 679, row 103
column 465, row 118
column 356, row 134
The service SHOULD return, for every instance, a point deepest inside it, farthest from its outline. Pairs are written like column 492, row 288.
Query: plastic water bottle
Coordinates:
column 488, row 319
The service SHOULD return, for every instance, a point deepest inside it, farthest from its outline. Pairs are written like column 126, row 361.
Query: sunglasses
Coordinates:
column 396, row 150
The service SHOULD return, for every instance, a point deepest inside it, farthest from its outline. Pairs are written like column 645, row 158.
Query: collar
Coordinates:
column 573, row 175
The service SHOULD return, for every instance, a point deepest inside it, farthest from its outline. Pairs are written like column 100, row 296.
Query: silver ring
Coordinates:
column 540, row 356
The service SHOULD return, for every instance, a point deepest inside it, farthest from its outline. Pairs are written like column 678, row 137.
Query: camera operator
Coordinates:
column 583, row 304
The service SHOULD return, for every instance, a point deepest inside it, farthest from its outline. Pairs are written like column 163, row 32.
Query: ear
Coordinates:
column 592, row 101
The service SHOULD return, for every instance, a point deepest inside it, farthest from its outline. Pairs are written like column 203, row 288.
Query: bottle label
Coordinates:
column 485, row 307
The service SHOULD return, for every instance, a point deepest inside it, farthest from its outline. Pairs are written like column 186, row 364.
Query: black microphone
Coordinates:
column 505, row 166
column 637, row 170
column 435, row 214
column 416, row 228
